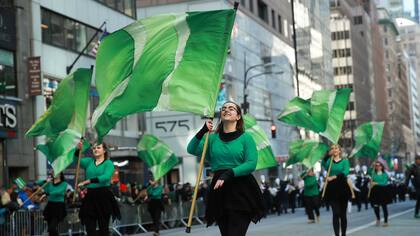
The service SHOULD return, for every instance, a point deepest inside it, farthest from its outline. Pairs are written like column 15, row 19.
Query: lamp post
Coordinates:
column 245, row 104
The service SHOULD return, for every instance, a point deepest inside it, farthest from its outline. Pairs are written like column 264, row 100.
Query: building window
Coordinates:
column 273, row 19
column 386, row 54
column 63, row 32
column 243, row 3
column 386, row 41
column 126, row 7
column 339, row 35
column 344, row 52
column 357, row 20
column 385, row 29
column 279, row 23
column 342, row 70
column 251, row 5
column 389, row 93
column 8, row 82
column 262, row 11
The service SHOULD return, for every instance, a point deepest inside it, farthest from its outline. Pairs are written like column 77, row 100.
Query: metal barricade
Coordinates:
column 130, row 217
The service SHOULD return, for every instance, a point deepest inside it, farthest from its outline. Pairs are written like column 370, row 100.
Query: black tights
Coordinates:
column 103, row 224
column 234, row 224
column 339, row 209
column 311, row 205
column 384, row 208
column 53, row 226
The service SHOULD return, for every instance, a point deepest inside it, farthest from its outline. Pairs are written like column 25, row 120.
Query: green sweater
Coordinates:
column 341, row 167
column 155, row 192
column 380, row 179
column 239, row 154
column 55, row 192
column 311, row 186
column 101, row 173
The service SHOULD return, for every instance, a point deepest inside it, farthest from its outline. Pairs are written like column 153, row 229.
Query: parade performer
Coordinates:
column 55, row 210
column 337, row 192
column 413, row 174
column 99, row 203
column 234, row 198
column 311, row 196
column 154, row 205
column 380, row 195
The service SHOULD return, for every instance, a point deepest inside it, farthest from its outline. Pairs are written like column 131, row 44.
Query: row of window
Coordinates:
column 344, row 52
column 342, row 70
column 8, row 83
column 63, row 32
column 127, row 7
column 339, row 35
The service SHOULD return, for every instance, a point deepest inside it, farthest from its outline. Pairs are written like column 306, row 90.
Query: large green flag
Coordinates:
column 164, row 62
column 323, row 113
column 307, row 152
column 157, row 155
column 266, row 157
column 65, row 120
column 368, row 138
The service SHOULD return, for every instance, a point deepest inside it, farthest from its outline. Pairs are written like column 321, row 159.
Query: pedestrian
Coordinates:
column 55, row 210
column 99, row 204
column 413, row 174
column 234, row 198
column 337, row 192
column 380, row 193
column 311, row 196
column 154, row 203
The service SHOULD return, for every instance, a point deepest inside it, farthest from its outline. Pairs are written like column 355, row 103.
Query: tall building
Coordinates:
column 352, row 63
column 44, row 39
column 262, row 34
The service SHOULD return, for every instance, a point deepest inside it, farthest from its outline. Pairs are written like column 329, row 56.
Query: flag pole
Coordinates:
column 77, row 172
column 326, row 178
column 33, row 194
column 200, row 172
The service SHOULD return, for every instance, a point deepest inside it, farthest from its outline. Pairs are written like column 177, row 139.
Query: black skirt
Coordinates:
column 99, row 203
column 338, row 189
column 240, row 194
column 380, row 195
column 55, row 210
column 155, row 205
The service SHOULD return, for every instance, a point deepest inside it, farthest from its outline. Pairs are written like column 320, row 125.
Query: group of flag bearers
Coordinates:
column 175, row 62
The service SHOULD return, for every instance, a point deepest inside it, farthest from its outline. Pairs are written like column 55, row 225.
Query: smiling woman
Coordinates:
column 234, row 199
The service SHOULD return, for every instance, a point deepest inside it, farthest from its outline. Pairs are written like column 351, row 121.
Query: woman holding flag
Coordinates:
column 380, row 194
column 311, row 195
column 234, row 198
column 99, row 203
column 337, row 192
column 55, row 210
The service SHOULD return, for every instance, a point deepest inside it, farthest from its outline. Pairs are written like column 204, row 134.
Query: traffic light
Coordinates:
column 273, row 131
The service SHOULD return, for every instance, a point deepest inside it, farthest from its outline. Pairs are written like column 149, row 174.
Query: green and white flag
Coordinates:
column 266, row 157
column 157, row 155
column 20, row 182
column 164, row 62
column 323, row 113
column 65, row 120
column 368, row 137
column 307, row 152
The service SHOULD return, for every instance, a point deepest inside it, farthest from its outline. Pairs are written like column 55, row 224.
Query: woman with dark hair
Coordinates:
column 55, row 210
column 380, row 194
column 234, row 198
column 337, row 192
column 155, row 205
column 99, row 203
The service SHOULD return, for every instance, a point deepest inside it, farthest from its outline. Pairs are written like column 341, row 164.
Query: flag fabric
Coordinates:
column 368, row 137
column 307, row 152
column 20, row 182
column 266, row 157
column 157, row 155
column 164, row 62
column 65, row 120
column 94, row 50
column 323, row 113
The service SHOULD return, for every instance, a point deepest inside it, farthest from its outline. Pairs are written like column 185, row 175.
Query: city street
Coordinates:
column 401, row 222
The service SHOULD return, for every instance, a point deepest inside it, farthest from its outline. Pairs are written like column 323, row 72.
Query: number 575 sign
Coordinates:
column 171, row 126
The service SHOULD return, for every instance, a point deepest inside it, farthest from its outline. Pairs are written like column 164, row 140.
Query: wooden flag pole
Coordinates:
column 200, row 172
column 77, row 173
column 33, row 194
column 326, row 178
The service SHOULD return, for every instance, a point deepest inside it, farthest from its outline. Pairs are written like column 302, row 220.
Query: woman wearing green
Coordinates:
column 55, row 210
column 154, row 205
column 311, row 196
column 234, row 198
column 99, row 203
column 380, row 194
column 337, row 192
